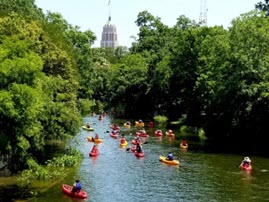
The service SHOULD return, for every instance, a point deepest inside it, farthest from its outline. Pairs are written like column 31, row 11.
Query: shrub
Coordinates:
column 161, row 120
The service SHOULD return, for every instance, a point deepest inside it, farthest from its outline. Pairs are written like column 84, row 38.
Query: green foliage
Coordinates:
column 201, row 134
column 71, row 158
column 263, row 6
column 86, row 105
column 25, row 8
column 54, row 169
column 161, row 120
column 39, row 84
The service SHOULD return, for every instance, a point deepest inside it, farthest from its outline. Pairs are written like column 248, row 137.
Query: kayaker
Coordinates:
column 114, row 131
column 184, row 142
column 88, row 125
column 170, row 132
column 94, row 149
column 139, row 148
column 143, row 131
column 137, row 139
column 246, row 162
column 170, row 156
column 96, row 136
column 158, row 131
column 76, row 187
column 140, row 121
column 122, row 140
column 128, row 123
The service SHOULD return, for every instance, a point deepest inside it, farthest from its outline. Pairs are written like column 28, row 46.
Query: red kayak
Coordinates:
column 67, row 189
column 141, row 134
column 115, row 135
column 158, row 133
column 115, row 127
column 96, row 153
column 142, row 154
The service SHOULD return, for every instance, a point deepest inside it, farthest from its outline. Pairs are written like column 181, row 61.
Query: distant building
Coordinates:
column 109, row 35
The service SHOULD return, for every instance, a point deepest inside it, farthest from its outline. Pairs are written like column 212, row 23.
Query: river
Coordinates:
column 116, row 175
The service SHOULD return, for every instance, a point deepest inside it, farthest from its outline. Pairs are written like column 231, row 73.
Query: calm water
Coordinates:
column 118, row 176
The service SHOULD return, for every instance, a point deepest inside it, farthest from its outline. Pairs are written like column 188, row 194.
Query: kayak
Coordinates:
column 183, row 147
column 163, row 159
column 115, row 135
column 157, row 133
column 67, row 189
column 115, row 127
column 151, row 125
column 170, row 134
column 133, row 149
column 141, row 134
column 249, row 168
column 137, row 154
column 134, row 142
column 94, row 153
column 139, row 124
column 126, row 125
column 90, row 139
column 86, row 128
column 124, row 144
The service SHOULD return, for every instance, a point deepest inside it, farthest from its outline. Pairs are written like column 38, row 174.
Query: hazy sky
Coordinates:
column 93, row 14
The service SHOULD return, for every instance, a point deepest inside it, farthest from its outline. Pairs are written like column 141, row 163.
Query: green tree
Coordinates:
column 25, row 8
column 127, row 83
column 263, row 6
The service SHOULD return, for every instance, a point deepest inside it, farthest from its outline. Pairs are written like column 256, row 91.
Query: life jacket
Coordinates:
column 122, row 140
column 184, row 143
column 78, row 185
column 170, row 157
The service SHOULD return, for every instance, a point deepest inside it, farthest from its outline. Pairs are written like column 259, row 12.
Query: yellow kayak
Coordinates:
column 183, row 147
column 86, row 128
column 126, row 125
column 91, row 139
column 124, row 144
column 163, row 159
column 139, row 124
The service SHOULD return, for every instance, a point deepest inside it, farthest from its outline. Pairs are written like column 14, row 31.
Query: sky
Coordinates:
column 93, row 14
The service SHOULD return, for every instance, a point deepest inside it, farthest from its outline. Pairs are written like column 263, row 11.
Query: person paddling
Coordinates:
column 76, row 187
column 96, row 137
column 94, row 149
column 246, row 162
column 139, row 148
column 170, row 156
column 122, row 140
column 88, row 125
